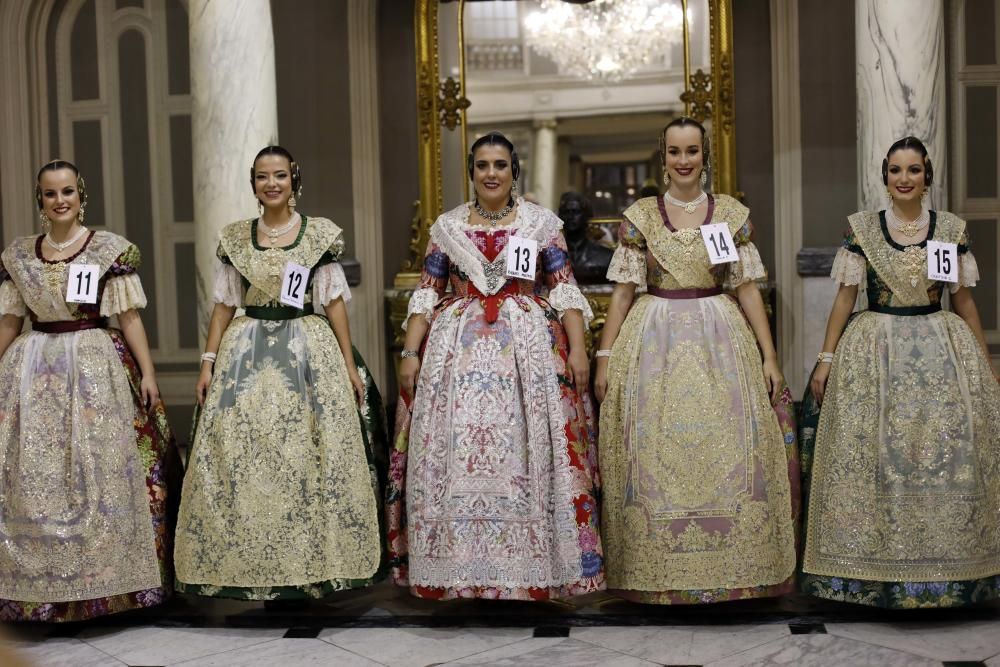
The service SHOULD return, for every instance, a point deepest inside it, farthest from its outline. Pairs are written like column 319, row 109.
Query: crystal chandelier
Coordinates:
column 603, row 39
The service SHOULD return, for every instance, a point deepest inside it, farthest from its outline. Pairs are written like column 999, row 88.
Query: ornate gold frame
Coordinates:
column 708, row 96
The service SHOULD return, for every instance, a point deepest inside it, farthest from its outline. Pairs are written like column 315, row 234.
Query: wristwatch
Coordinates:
column 406, row 354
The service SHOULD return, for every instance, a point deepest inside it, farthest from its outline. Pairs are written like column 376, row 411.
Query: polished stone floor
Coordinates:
column 383, row 626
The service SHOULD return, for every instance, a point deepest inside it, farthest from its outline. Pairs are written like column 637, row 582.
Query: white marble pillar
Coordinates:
column 900, row 87
column 543, row 159
column 234, row 114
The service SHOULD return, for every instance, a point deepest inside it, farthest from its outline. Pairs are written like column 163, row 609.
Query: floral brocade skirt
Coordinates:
column 908, row 520
column 493, row 475
column 700, row 471
column 67, row 369
column 284, row 479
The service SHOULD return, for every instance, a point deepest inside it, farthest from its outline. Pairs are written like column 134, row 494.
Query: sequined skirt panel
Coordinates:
column 697, row 494
column 906, row 473
column 500, row 470
column 75, row 518
column 278, row 490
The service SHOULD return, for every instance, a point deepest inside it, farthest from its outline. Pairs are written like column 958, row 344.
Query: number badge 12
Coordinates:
column 293, row 285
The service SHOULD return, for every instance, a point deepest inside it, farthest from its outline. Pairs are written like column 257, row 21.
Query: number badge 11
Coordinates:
column 81, row 284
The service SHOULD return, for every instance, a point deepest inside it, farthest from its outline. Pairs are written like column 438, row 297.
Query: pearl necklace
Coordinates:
column 688, row 206
column 274, row 233
column 494, row 216
column 907, row 228
column 59, row 247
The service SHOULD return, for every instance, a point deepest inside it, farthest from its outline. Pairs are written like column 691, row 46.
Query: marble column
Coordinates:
column 900, row 87
column 543, row 159
column 234, row 114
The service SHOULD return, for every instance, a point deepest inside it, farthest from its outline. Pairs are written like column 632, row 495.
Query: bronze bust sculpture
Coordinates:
column 590, row 259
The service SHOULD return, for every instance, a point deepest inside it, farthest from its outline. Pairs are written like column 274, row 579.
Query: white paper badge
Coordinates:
column 293, row 285
column 81, row 285
column 719, row 243
column 521, row 256
column 942, row 261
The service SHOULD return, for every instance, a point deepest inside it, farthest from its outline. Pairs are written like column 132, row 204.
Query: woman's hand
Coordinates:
column 408, row 370
column 150, row 392
column 819, row 378
column 578, row 369
column 773, row 378
column 204, row 379
column 357, row 383
column 601, row 379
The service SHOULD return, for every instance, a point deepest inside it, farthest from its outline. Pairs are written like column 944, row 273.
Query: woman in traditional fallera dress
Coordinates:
column 493, row 482
column 281, row 496
column 905, row 476
column 88, row 466
column 699, row 470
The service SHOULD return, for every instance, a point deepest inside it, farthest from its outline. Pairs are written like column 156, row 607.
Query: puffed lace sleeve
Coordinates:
column 628, row 264
column 11, row 302
column 329, row 281
column 228, row 288
column 123, row 290
column 433, row 283
column 564, row 294
column 849, row 265
column 749, row 267
column 968, row 269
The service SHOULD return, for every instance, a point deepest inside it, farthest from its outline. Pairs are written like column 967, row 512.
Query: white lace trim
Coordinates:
column 228, row 288
column 968, row 272
column 628, row 265
column 849, row 268
column 566, row 296
column 422, row 302
column 122, row 293
column 329, row 282
column 749, row 268
column 11, row 302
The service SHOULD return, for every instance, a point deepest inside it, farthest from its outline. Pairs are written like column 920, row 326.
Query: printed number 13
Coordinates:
column 522, row 263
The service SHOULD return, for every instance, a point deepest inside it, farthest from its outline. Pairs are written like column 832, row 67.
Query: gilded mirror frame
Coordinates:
column 708, row 96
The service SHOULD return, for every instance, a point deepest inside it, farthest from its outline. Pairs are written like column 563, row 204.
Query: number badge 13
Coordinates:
column 81, row 284
column 521, row 255
column 293, row 285
column 942, row 261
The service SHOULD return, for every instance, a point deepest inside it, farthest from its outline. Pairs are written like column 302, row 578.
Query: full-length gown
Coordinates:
column 282, row 492
column 903, row 459
column 493, row 482
column 700, row 472
column 88, row 475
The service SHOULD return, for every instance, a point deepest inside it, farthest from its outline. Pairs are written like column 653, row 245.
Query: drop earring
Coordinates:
column 46, row 223
column 666, row 179
column 704, row 178
column 260, row 208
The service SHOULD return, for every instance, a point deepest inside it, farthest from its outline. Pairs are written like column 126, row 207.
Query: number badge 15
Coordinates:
column 293, row 285
column 942, row 261
column 81, row 285
column 719, row 243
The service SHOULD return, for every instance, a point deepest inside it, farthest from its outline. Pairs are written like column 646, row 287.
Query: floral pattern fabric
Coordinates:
column 909, row 519
column 90, row 475
column 493, row 475
column 700, row 471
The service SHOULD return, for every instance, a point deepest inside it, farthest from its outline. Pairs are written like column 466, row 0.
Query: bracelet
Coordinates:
column 406, row 354
column 602, row 353
column 209, row 357
column 824, row 358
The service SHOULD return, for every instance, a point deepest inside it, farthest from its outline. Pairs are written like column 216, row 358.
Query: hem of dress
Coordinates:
column 313, row 591
column 24, row 611
column 582, row 587
column 901, row 594
column 705, row 596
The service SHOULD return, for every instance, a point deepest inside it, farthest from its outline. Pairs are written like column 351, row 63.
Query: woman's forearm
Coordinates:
column 621, row 302
column 752, row 304
column 336, row 312
column 135, row 337
column 10, row 328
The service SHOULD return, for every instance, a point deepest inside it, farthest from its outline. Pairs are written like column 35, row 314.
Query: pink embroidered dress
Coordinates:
column 493, row 481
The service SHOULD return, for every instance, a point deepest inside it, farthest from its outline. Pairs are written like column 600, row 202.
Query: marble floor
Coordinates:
column 382, row 626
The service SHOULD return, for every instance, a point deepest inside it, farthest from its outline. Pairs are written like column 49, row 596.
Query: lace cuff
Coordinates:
column 849, row 268
column 566, row 296
column 329, row 282
column 122, row 293
column 628, row 265
column 421, row 303
column 11, row 302
column 228, row 288
column 968, row 272
column 749, row 268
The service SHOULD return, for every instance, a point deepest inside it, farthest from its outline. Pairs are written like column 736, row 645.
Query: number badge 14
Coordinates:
column 293, row 285
column 81, row 285
column 521, row 256
column 942, row 261
column 719, row 243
